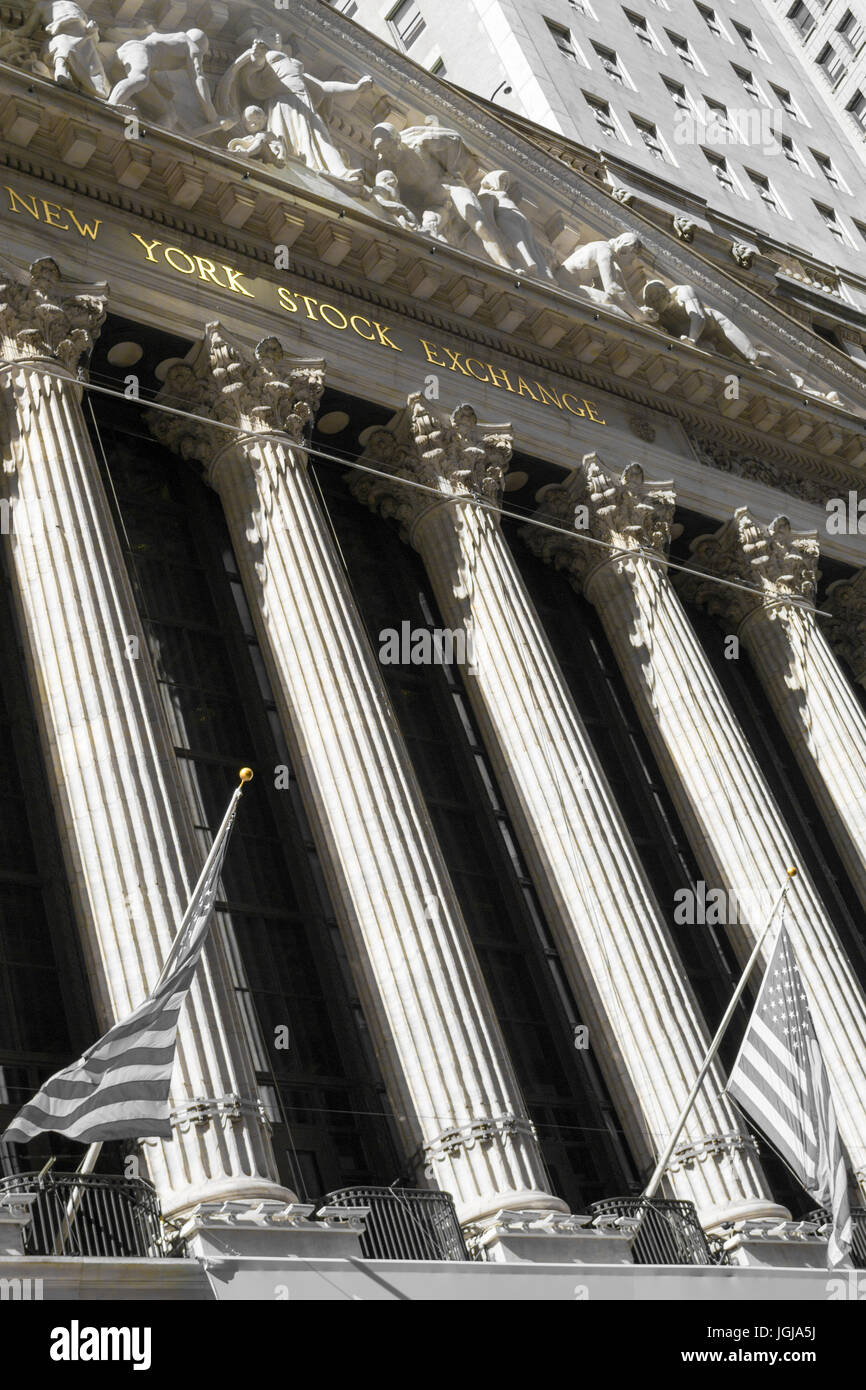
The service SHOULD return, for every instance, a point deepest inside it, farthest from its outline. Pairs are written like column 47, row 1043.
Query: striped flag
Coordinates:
column 119, row 1088
column 779, row 1078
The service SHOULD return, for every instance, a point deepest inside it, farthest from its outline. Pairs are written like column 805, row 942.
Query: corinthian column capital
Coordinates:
column 44, row 318
column 452, row 457
column 846, row 630
column 257, row 390
column 778, row 563
column 621, row 510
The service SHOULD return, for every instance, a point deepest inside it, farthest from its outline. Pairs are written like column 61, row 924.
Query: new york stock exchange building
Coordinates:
column 352, row 434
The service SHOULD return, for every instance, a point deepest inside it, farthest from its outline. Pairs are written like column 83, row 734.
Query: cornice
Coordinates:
column 630, row 360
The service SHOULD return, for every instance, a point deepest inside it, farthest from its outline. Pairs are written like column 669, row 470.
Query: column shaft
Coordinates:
column 645, row 1026
column 128, row 841
column 442, row 1054
column 734, row 825
column 809, row 692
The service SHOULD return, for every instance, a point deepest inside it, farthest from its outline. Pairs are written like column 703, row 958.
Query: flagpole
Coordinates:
column 91, row 1156
column 87, row 1165
column 714, row 1045
column 245, row 775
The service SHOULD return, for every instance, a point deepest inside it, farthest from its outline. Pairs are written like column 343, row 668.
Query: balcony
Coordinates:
column 858, row 1222
column 90, row 1215
column 668, row 1230
column 404, row 1223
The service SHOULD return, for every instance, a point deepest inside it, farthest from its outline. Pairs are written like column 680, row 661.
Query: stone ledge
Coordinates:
column 552, row 1238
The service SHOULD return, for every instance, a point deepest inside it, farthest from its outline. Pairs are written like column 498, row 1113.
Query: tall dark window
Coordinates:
column 590, row 671
column 290, row 967
column 577, row 1129
column 46, row 1019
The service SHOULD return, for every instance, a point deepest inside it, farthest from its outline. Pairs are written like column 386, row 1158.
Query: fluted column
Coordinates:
column 128, row 841
column 736, row 830
column 846, row 629
column 644, row 1023
column 809, row 692
column 444, row 1059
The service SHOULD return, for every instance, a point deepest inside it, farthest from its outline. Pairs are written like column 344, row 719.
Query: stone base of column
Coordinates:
column 772, row 1244
column 472, row 1213
column 749, row 1209
column 14, row 1220
column 529, row 1237
column 244, row 1193
column 233, row 1238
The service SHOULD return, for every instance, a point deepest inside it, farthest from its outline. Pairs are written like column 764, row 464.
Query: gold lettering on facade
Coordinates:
column 51, row 213
column 325, row 309
column 230, row 280
column 181, row 269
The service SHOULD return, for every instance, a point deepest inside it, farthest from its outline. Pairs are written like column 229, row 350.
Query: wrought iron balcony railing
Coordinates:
column 90, row 1215
column 858, row 1223
column 405, row 1223
column 668, row 1230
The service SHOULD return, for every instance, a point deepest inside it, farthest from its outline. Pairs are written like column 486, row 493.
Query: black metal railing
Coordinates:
column 405, row 1223
column 668, row 1230
column 858, row 1232
column 89, row 1215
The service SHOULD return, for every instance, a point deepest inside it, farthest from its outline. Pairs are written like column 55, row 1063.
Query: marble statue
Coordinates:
column 432, row 166
column 147, row 60
column 599, row 269
column 71, row 51
column 259, row 142
column 386, row 191
column 499, row 195
column 297, row 105
column 689, row 318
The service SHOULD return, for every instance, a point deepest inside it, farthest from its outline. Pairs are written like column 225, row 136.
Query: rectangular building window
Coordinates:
column 768, row 195
column 682, row 48
column 790, row 152
column 678, row 94
column 749, row 84
column 831, row 64
column 722, row 171
column 711, row 20
column 563, row 40
column 641, row 28
column 604, row 117
column 829, row 170
column 857, row 108
column 611, row 64
column 802, row 19
column 786, row 101
column 717, row 116
column 749, row 40
column 831, row 221
column 407, row 23
column 650, row 136
column 850, row 31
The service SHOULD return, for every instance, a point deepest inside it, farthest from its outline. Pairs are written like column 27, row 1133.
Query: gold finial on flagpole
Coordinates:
column 246, row 775
column 792, row 873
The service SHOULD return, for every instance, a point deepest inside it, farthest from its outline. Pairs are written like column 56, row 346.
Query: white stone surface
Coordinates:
column 440, row 1047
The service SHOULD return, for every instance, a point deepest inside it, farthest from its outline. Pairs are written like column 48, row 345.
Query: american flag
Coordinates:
column 780, row 1080
column 119, row 1089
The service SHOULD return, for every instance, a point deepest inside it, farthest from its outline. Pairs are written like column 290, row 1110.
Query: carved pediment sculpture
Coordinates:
column 686, row 316
column 148, row 59
column 598, row 271
column 500, row 196
column 432, row 169
column 296, row 107
column 70, row 46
